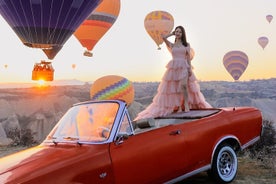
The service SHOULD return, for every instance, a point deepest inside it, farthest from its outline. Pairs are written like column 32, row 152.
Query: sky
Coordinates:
column 213, row 27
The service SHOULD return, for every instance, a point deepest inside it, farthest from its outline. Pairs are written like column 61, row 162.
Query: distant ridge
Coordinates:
column 34, row 84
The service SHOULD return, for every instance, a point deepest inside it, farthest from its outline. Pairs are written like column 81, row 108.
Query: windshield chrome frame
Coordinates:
column 122, row 109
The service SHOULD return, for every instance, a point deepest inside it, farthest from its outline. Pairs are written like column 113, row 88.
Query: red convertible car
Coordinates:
column 96, row 142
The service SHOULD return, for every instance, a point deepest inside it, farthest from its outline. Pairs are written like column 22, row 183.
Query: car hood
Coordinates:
column 43, row 159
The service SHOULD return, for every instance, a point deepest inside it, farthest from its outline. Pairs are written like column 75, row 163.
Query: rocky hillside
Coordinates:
column 256, row 93
column 38, row 109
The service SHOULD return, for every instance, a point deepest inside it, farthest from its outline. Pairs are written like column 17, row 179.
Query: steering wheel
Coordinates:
column 103, row 131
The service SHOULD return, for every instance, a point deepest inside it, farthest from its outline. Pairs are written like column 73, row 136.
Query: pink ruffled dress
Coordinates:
column 170, row 93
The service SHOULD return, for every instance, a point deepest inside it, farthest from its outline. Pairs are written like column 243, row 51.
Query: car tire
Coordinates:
column 225, row 164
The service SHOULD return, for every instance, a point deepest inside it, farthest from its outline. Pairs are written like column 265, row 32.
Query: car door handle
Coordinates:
column 175, row 132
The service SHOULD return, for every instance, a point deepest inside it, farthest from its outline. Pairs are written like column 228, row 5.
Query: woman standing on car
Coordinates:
column 178, row 89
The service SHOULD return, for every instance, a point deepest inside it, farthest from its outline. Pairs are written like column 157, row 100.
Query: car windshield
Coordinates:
column 86, row 122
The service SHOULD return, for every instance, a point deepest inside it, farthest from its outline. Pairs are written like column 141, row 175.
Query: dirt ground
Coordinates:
column 249, row 172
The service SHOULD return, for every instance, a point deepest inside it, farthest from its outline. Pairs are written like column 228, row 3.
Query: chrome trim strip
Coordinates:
column 180, row 178
column 249, row 143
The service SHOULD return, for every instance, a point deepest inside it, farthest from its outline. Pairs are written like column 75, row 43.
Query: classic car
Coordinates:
column 97, row 142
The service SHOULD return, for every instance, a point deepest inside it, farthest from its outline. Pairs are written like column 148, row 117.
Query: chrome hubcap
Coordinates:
column 225, row 164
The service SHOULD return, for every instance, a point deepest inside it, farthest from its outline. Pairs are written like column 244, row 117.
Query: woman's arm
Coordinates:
column 165, row 38
column 188, row 56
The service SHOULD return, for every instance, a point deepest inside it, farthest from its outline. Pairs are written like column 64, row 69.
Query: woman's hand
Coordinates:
column 168, row 35
column 189, row 71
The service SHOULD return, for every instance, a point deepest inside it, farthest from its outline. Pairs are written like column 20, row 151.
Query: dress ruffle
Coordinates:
column 170, row 93
column 196, row 99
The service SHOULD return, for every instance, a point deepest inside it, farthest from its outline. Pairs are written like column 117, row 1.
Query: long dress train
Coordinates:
column 170, row 93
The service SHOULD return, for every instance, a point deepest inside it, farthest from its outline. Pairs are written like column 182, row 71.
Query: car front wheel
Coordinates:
column 225, row 164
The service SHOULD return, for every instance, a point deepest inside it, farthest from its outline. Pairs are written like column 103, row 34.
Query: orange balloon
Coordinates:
column 97, row 24
column 73, row 66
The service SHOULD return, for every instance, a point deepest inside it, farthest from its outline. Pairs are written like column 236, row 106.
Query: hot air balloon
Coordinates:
column 46, row 24
column 97, row 24
column 112, row 87
column 5, row 65
column 52, row 52
column 269, row 18
column 44, row 70
column 73, row 66
column 235, row 63
column 263, row 41
column 157, row 23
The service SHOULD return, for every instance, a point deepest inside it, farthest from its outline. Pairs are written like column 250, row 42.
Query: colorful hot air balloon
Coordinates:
column 263, row 41
column 112, row 87
column 97, row 24
column 46, row 24
column 269, row 18
column 235, row 63
column 157, row 23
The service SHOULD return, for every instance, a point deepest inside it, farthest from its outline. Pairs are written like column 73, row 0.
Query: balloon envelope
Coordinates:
column 157, row 23
column 45, row 23
column 97, row 24
column 112, row 87
column 263, row 41
column 269, row 18
column 52, row 52
column 235, row 63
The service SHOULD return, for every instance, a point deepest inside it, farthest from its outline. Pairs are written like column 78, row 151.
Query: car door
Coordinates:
column 154, row 156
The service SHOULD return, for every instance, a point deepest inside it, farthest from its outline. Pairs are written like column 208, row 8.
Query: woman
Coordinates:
column 178, row 89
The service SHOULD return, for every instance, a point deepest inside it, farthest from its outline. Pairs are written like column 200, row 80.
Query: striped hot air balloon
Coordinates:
column 112, row 87
column 263, row 41
column 97, row 24
column 235, row 63
column 45, row 23
column 157, row 23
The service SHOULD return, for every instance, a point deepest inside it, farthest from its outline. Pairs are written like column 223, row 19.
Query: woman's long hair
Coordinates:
column 183, row 37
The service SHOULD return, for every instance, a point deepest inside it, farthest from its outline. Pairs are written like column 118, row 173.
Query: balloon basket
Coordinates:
column 87, row 53
column 43, row 71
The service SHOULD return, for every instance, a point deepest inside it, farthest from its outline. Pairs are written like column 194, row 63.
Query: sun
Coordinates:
column 41, row 82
